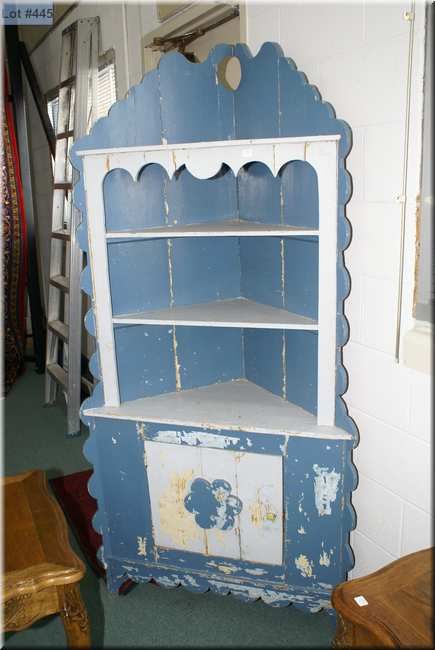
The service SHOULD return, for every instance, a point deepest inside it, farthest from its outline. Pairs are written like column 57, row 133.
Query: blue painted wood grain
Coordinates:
column 300, row 195
column 257, row 98
column 194, row 106
column 131, row 205
column 263, row 359
column 259, row 194
column 148, row 262
column 301, row 264
column 318, row 537
column 192, row 200
column 145, row 360
column 205, row 269
column 301, row 368
column 123, row 479
column 261, row 270
column 208, row 355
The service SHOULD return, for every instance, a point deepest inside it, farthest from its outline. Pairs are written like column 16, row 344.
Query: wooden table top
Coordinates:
column 400, row 603
column 36, row 546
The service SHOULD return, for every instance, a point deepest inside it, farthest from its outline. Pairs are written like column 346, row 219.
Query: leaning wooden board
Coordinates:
column 214, row 226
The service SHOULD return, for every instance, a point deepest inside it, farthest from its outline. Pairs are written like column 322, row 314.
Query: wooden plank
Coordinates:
column 259, row 480
column 239, row 312
column 324, row 158
column 234, row 405
column 221, row 465
column 206, row 145
column 94, row 172
column 170, row 472
column 227, row 228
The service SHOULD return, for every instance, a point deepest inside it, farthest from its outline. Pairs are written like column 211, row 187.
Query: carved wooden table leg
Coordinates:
column 74, row 617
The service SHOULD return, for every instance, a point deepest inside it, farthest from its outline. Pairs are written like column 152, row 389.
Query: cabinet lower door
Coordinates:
column 216, row 502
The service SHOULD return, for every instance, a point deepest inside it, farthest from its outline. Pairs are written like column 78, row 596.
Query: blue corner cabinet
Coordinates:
column 214, row 228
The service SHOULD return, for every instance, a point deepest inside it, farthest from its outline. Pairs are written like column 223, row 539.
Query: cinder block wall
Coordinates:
column 357, row 55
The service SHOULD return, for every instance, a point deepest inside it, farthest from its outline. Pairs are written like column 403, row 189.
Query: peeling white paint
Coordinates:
column 324, row 559
column 189, row 580
column 142, row 546
column 325, row 488
column 224, row 568
column 304, row 566
column 167, row 582
column 256, row 572
column 140, row 428
column 195, row 438
column 114, row 440
column 302, row 531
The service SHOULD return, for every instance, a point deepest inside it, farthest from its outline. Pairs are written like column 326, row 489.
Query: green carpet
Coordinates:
column 149, row 615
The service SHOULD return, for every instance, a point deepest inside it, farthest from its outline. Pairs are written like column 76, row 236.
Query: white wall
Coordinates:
column 357, row 55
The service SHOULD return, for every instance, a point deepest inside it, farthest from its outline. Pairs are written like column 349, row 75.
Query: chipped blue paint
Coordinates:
column 212, row 504
column 182, row 102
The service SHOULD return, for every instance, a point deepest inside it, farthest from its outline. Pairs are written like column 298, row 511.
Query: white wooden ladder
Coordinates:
column 77, row 110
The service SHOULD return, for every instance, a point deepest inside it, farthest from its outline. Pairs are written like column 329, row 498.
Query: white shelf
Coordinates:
column 234, row 405
column 238, row 312
column 227, row 228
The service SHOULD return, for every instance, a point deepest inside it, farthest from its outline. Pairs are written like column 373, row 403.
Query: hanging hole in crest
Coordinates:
column 229, row 72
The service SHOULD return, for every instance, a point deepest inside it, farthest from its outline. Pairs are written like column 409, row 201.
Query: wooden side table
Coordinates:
column 399, row 609
column 41, row 572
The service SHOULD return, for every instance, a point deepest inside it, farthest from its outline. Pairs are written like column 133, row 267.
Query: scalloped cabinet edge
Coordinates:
column 214, row 226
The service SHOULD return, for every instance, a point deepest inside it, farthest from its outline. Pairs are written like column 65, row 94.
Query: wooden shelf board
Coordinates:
column 226, row 228
column 234, row 405
column 238, row 312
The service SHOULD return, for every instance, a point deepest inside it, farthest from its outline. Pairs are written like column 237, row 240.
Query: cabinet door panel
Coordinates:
column 216, row 502
column 259, row 479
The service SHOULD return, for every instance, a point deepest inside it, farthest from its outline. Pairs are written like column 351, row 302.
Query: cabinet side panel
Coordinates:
column 123, row 497
column 315, row 505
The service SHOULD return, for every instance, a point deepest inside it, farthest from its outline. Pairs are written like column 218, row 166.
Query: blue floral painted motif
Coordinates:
column 213, row 504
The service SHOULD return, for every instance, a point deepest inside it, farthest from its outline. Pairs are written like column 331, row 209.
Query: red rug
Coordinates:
column 79, row 507
column 14, row 267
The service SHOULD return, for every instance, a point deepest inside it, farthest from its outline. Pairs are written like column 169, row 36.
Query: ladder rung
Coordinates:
column 59, row 328
column 65, row 134
column 60, row 281
column 62, row 186
column 61, row 234
column 58, row 373
column 67, row 82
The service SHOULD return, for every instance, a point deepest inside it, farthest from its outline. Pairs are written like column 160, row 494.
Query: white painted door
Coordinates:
column 216, row 502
